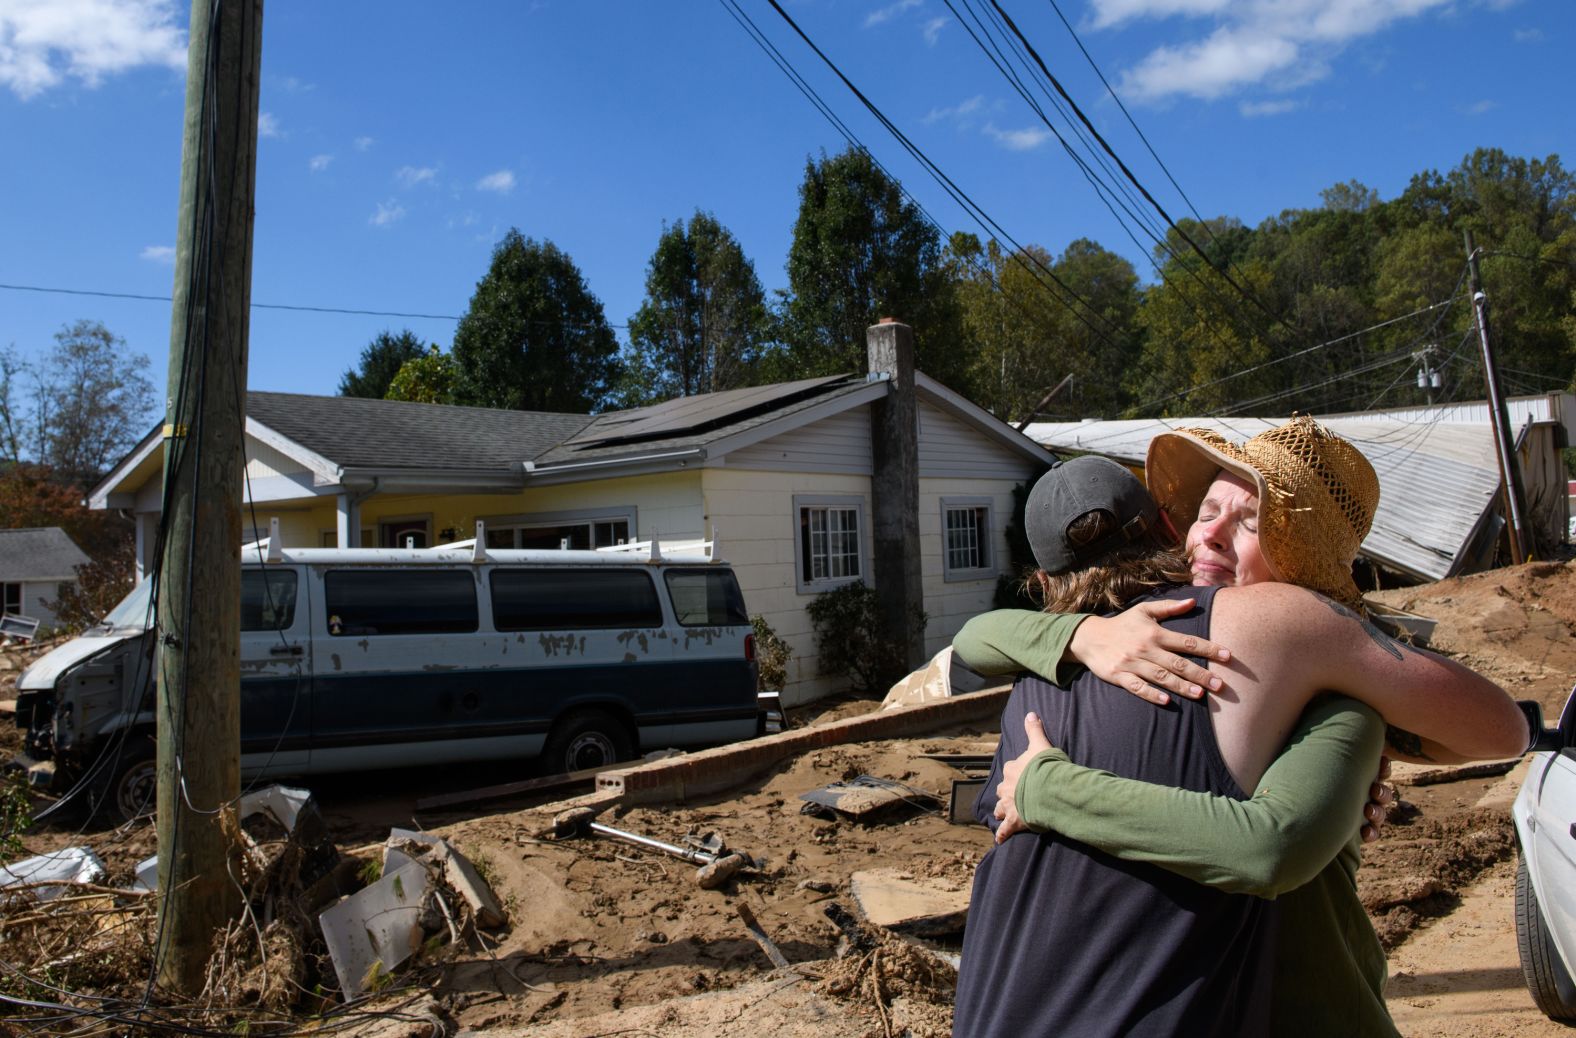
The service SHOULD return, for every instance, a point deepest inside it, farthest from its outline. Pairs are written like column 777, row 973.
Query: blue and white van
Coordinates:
column 356, row 659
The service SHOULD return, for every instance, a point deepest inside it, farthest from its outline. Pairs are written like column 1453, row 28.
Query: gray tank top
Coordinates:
column 1063, row 939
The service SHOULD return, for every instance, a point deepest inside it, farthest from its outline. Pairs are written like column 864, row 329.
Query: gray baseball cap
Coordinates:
column 1071, row 490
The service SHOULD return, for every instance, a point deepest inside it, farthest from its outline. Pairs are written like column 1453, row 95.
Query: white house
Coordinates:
column 35, row 565
column 887, row 477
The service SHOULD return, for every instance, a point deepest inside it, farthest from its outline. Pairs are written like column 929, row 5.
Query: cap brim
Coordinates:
column 1179, row 469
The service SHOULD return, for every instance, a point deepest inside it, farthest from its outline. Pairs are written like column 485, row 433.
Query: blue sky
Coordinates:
column 400, row 140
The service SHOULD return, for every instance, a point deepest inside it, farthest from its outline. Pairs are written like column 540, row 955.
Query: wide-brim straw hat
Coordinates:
column 1317, row 495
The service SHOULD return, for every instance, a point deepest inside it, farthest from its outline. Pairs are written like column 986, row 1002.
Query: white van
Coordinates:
column 355, row 659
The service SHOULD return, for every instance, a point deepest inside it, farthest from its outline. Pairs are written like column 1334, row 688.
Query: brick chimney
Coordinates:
column 894, row 486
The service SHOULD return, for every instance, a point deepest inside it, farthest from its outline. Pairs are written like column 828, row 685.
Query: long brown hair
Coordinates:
column 1120, row 576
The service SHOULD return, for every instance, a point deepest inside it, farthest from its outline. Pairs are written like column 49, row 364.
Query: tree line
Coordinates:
column 1356, row 303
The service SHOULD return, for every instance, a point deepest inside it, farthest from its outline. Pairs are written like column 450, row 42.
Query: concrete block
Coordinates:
column 897, row 901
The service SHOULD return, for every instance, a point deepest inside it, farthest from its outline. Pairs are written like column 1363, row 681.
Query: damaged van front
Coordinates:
column 91, row 692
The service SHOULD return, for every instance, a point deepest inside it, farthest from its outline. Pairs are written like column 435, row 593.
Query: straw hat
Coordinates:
column 1317, row 495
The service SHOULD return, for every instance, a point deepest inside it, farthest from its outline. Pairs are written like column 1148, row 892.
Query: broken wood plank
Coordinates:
column 543, row 784
column 758, row 932
column 1403, row 773
column 895, row 900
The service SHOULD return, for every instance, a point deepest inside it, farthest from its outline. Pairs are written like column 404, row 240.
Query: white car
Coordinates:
column 1545, row 816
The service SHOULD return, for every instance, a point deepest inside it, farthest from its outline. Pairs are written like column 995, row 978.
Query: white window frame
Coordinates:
column 987, row 546
column 575, row 517
column 850, row 502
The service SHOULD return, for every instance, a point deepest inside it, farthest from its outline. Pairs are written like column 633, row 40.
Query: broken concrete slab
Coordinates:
column 898, row 901
column 1404, row 773
column 375, row 930
column 462, row 876
column 867, row 797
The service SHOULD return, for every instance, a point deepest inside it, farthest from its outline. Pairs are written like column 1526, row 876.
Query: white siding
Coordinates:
column 263, row 461
column 949, row 605
column 839, row 443
column 753, row 511
column 949, row 447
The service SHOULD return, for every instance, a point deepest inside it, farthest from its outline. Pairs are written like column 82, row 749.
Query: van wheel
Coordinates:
column 1541, row 966
column 128, row 789
column 586, row 739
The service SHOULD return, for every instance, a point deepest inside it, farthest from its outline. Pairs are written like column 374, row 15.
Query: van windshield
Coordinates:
column 133, row 610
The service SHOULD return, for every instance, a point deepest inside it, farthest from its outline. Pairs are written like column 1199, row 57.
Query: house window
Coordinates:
column 404, row 533
column 829, row 549
column 13, row 599
column 966, row 538
column 577, row 531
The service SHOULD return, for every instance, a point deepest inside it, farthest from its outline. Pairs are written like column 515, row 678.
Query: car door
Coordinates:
column 276, row 670
column 1554, row 845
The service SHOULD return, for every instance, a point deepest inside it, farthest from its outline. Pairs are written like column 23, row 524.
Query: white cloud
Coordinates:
column 1527, row 35
column 1286, row 43
column 45, row 42
column 268, row 125
column 933, row 29
column 363, row 143
column 318, row 163
column 1259, row 109
column 1026, row 139
column 502, row 182
column 296, row 86
column 388, row 213
column 891, row 11
column 410, row 176
column 1481, row 107
column 959, row 112
column 159, row 254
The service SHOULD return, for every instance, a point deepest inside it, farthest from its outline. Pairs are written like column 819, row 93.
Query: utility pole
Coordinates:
column 199, row 590
column 1509, row 473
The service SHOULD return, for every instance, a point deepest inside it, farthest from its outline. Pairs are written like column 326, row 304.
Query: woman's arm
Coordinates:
column 1130, row 650
column 1308, row 806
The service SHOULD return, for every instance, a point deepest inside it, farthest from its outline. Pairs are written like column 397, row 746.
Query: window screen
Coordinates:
column 968, row 538
column 828, row 543
column 706, row 597
column 268, row 599
column 557, row 599
column 399, row 601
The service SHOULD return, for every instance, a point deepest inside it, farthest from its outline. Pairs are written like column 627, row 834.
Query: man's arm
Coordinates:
column 1306, row 808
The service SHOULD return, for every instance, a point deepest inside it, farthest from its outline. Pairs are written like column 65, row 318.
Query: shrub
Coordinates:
column 772, row 654
column 847, row 622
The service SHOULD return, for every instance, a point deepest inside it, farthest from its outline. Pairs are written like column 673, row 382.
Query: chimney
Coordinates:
column 894, row 487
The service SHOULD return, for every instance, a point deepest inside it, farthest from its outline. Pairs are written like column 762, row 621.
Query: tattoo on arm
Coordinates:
column 1404, row 742
column 1384, row 641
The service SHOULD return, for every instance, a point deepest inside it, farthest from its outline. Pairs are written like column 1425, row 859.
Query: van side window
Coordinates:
column 268, row 599
column 706, row 598
column 399, row 601
column 545, row 599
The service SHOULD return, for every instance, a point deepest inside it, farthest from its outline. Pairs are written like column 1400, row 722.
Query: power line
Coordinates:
column 280, row 306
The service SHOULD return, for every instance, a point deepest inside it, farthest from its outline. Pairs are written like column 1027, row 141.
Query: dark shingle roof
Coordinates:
column 38, row 553
column 358, row 433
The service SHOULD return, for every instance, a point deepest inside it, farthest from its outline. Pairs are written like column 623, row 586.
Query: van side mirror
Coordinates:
column 1539, row 738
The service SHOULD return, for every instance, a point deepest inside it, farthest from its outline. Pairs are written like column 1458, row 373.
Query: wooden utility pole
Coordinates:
column 199, row 573
column 1509, row 472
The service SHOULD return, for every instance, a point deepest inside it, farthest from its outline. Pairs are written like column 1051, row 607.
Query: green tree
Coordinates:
column 428, row 379
column 534, row 337
column 704, row 322
column 380, row 362
column 861, row 252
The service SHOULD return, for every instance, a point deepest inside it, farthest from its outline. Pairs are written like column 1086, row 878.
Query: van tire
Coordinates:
column 584, row 740
column 128, row 789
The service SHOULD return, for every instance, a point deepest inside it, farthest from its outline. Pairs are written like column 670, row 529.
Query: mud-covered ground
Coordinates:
column 604, row 938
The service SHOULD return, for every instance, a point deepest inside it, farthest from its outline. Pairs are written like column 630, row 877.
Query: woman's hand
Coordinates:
column 1378, row 806
column 1132, row 651
column 1007, row 791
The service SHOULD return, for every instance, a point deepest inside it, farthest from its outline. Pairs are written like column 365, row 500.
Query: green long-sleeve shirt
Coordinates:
column 1295, row 837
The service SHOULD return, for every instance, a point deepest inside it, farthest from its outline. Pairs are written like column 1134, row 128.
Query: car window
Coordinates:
column 362, row 603
column 268, row 599
column 549, row 599
column 706, row 597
